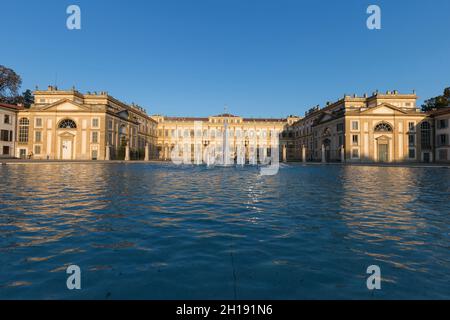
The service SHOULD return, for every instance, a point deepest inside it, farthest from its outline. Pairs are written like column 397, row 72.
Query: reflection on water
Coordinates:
column 161, row 231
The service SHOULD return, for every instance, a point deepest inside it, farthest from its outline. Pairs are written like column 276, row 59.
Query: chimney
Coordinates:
column 50, row 88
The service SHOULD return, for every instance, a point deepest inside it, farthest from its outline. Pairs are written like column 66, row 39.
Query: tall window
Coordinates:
column 67, row 124
column 443, row 124
column 355, row 139
column 7, row 119
column 355, row 125
column 24, row 126
column 442, row 139
column 38, row 122
column 411, row 140
column 37, row 136
column 95, row 123
column 425, row 134
column 4, row 136
column 94, row 137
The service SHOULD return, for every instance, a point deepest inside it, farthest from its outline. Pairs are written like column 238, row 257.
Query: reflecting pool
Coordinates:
column 160, row 231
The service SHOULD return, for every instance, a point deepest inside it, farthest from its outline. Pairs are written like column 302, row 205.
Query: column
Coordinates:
column 284, row 153
column 304, row 154
column 324, row 160
column 107, row 152
column 127, row 153
column 147, row 152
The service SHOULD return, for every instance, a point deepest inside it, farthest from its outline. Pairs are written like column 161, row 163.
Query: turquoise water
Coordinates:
column 158, row 231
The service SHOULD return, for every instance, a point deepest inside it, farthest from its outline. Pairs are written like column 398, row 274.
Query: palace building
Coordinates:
column 8, row 125
column 378, row 128
column 254, row 133
column 68, row 125
column 442, row 133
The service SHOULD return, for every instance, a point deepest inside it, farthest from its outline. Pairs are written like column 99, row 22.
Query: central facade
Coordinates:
column 255, row 133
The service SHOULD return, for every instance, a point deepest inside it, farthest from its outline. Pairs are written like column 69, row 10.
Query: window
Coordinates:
column 425, row 134
column 355, row 125
column 355, row 153
column 7, row 119
column 37, row 149
column 340, row 127
column 341, row 140
column 38, row 136
column 383, row 127
column 110, row 125
column 442, row 140
column 411, row 140
column 67, row 124
column 110, row 138
column 24, row 125
column 95, row 123
column 4, row 135
column 411, row 126
column 38, row 122
column 94, row 154
column 94, row 137
column 355, row 139
column 443, row 155
column 443, row 124
column 412, row 153
column 5, row 150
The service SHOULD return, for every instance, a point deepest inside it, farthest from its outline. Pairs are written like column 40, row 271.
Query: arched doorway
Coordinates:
column 383, row 141
column 67, row 135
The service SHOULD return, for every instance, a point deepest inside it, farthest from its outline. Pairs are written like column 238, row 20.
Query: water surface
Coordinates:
column 158, row 231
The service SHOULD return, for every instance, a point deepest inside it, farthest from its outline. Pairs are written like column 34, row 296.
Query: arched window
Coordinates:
column 425, row 134
column 383, row 127
column 24, row 126
column 67, row 124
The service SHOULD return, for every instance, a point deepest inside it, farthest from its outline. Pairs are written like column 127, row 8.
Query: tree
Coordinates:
column 27, row 98
column 438, row 102
column 10, row 83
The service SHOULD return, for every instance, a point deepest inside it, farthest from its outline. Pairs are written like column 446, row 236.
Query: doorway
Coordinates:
column 67, row 150
column 383, row 152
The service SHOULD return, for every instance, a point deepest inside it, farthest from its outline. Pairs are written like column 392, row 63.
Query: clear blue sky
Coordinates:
column 261, row 58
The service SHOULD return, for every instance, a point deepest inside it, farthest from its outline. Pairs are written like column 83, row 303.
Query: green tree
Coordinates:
column 438, row 102
column 27, row 98
column 10, row 83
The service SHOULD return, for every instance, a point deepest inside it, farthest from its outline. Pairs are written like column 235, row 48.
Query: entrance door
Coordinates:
column 23, row 153
column 67, row 150
column 426, row 157
column 383, row 155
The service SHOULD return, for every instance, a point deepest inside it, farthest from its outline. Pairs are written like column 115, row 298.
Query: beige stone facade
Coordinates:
column 8, row 125
column 380, row 128
column 68, row 125
column 255, row 134
column 442, row 134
